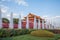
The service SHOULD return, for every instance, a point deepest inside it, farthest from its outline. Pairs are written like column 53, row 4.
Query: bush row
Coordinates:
column 13, row 32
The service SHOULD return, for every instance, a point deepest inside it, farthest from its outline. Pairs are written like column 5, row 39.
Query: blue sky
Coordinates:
column 43, row 8
column 38, row 7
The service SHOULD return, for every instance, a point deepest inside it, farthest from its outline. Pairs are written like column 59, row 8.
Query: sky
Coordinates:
column 48, row 9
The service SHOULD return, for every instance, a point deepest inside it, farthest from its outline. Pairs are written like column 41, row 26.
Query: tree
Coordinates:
column 15, row 20
column 5, row 20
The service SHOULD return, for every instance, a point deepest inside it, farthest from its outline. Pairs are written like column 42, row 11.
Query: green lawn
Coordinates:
column 29, row 37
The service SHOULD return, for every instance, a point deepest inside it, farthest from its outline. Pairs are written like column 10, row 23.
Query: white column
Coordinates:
column 49, row 24
column 19, row 25
column 39, row 26
column 46, row 24
column 35, row 25
column 11, row 21
column 0, row 19
column 27, row 23
column 42, row 24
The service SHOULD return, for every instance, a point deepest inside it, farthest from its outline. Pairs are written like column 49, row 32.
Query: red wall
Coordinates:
column 6, row 25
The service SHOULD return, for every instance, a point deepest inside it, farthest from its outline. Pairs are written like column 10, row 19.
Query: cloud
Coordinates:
column 14, row 14
column 4, row 0
column 57, row 17
column 46, row 17
column 5, row 11
column 21, row 2
column 4, row 8
column 1, row 1
column 8, row 15
column 22, row 14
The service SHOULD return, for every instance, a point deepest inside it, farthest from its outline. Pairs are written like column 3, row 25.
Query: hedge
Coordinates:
column 13, row 32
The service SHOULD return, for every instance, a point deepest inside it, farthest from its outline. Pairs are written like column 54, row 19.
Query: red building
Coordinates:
column 31, row 20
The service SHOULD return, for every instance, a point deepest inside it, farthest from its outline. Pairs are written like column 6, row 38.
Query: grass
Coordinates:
column 29, row 37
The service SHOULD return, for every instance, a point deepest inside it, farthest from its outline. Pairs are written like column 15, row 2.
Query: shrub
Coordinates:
column 8, row 32
column 30, row 30
column 4, row 33
column 42, row 33
column 13, row 32
column 57, row 38
column 0, row 32
column 24, row 31
column 18, row 32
